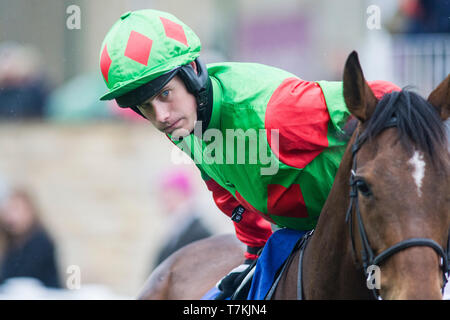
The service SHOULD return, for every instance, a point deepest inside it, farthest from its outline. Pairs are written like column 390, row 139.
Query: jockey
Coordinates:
column 267, row 143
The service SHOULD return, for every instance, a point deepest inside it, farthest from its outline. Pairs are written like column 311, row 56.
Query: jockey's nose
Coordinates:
column 162, row 111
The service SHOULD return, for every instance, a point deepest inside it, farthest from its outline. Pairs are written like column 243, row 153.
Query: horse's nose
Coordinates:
column 412, row 274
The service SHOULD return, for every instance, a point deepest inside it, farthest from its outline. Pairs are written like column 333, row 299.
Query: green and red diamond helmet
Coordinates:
column 142, row 51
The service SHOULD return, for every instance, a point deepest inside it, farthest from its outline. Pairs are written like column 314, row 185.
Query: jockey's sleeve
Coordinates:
column 381, row 87
column 253, row 230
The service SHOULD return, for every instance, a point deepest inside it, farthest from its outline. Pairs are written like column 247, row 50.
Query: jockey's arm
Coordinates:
column 253, row 230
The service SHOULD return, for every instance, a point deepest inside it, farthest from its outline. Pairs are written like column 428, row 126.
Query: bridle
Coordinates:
column 367, row 254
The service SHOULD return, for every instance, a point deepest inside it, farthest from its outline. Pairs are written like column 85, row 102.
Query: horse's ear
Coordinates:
column 360, row 100
column 440, row 98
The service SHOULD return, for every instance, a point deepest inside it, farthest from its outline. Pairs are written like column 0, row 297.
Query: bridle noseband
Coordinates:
column 367, row 255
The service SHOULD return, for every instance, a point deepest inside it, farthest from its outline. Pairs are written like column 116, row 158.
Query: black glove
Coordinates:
column 231, row 281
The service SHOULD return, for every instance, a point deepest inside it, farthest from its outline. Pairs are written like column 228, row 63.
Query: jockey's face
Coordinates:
column 173, row 110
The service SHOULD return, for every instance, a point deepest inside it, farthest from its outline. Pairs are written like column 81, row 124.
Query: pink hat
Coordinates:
column 177, row 179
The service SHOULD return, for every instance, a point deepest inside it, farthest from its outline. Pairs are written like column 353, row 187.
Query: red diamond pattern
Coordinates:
column 286, row 202
column 174, row 31
column 105, row 63
column 138, row 47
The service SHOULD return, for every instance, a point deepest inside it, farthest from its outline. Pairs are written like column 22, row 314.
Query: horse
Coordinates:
column 188, row 273
column 397, row 201
column 389, row 206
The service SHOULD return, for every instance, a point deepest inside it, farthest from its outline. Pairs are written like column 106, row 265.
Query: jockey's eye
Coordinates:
column 164, row 94
column 363, row 187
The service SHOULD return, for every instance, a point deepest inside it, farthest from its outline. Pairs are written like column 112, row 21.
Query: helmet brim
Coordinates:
column 143, row 93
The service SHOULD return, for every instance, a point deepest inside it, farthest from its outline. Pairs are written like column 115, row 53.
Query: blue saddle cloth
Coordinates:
column 275, row 252
column 212, row 294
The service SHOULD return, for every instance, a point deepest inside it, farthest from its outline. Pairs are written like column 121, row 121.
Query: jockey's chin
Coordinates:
column 182, row 129
column 180, row 133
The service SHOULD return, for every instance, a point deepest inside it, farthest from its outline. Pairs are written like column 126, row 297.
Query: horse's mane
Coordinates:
column 419, row 125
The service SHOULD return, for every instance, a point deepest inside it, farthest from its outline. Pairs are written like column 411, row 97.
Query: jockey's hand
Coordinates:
column 231, row 281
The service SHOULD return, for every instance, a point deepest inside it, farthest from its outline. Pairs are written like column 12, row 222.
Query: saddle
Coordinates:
column 250, row 287
column 243, row 289
column 300, row 245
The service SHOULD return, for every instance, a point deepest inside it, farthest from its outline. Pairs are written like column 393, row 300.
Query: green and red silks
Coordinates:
column 307, row 119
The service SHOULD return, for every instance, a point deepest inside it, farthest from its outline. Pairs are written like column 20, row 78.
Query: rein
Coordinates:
column 367, row 253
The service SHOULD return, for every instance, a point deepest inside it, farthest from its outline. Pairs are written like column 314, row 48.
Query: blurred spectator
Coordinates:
column 29, row 251
column 23, row 88
column 422, row 16
column 184, row 225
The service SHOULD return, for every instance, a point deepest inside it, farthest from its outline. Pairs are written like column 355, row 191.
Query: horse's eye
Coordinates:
column 363, row 188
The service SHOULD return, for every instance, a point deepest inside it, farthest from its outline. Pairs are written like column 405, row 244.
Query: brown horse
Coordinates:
column 399, row 208
column 402, row 180
column 190, row 272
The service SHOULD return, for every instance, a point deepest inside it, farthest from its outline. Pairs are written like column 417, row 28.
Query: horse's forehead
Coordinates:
column 387, row 156
column 418, row 170
column 385, row 148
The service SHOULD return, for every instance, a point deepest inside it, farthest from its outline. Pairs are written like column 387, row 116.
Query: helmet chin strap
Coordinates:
column 199, row 84
column 136, row 109
column 204, row 100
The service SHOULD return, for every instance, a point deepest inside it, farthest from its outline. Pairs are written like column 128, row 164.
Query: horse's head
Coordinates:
column 401, row 184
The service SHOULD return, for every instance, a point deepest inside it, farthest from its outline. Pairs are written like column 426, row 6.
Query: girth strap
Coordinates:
column 300, row 295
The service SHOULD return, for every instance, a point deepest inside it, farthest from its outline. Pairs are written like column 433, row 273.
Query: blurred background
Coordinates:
column 81, row 180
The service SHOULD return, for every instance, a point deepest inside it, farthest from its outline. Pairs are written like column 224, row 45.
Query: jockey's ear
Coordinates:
column 360, row 100
column 440, row 98
column 194, row 66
